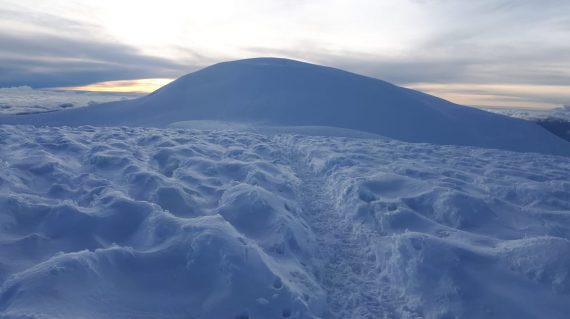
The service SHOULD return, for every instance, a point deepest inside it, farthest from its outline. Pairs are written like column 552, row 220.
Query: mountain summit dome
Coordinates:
column 272, row 91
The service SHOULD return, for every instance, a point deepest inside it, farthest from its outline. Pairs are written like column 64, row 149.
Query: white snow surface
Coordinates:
column 271, row 91
column 128, row 222
column 26, row 100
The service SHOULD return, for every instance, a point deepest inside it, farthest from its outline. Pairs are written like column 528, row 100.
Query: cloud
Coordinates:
column 405, row 42
column 499, row 95
column 561, row 113
column 43, row 50
column 54, row 61
column 125, row 86
column 24, row 99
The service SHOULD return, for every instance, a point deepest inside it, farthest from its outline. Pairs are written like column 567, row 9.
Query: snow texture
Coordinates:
column 271, row 91
column 127, row 222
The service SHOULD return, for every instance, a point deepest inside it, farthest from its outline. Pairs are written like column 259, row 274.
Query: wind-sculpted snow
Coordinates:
column 133, row 223
column 177, row 223
column 447, row 232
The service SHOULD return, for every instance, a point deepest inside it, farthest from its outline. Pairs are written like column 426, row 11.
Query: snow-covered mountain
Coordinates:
column 308, row 204
column 272, row 91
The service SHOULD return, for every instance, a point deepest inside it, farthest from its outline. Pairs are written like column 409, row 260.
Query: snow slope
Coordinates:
column 272, row 91
column 174, row 223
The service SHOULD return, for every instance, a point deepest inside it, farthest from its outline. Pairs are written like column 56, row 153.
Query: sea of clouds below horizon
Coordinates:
column 24, row 99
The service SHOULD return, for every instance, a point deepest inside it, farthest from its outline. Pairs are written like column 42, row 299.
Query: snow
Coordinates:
column 276, row 222
column 274, row 92
column 271, row 188
column 25, row 100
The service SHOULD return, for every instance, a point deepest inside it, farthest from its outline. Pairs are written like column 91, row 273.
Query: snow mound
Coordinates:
column 272, row 91
column 173, row 223
column 130, row 223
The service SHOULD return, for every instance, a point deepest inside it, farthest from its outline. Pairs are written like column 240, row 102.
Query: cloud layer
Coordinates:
column 24, row 99
column 440, row 42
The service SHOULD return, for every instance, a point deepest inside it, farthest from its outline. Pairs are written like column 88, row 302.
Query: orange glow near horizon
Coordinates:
column 125, row 86
column 483, row 95
column 495, row 95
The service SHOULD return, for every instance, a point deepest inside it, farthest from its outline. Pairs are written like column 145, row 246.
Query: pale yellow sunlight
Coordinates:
column 126, row 86
column 496, row 95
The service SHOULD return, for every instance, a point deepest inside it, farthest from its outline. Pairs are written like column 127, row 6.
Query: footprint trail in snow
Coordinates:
column 347, row 270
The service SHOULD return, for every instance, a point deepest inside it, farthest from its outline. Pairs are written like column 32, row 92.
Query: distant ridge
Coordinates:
column 274, row 91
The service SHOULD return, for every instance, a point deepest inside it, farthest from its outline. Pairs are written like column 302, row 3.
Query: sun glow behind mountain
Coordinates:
column 126, row 86
column 484, row 95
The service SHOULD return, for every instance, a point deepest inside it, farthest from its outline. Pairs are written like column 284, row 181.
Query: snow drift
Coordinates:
column 172, row 223
column 274, row 91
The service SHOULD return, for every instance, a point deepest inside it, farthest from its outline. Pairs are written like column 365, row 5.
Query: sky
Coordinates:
column 483, row 53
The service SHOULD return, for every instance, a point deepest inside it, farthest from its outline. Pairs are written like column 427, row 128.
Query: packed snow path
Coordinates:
column 345, row 271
